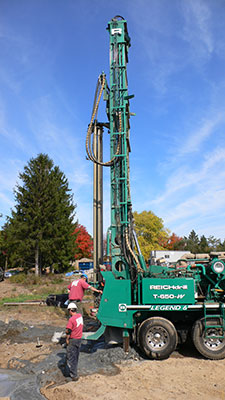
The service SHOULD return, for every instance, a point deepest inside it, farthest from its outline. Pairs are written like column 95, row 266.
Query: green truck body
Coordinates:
column 155, row 307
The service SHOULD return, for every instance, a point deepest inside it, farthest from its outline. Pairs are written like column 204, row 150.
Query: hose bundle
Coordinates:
column 98, row 93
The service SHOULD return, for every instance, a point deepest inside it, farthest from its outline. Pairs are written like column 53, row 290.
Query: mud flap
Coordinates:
column 94, row 335
column 113, row 335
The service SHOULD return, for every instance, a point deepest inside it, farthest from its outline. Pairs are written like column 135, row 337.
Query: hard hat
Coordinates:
column 85, row 275
column 72, row 306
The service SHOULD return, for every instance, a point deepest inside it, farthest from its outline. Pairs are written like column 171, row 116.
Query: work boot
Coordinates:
column 75, row 378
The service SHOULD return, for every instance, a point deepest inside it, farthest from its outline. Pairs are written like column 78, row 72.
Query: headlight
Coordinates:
column 218, row 267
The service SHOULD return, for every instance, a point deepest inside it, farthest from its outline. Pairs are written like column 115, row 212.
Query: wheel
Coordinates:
column 207, row 343
column 157, row 338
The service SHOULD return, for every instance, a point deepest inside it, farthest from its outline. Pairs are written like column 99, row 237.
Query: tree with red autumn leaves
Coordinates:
column 83, row 243
column 171, row 243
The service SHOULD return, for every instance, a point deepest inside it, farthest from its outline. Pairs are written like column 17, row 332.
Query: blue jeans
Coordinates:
column 73, row 351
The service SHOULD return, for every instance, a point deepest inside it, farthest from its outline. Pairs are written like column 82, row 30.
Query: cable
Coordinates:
column 132, row 252
column 89, row 151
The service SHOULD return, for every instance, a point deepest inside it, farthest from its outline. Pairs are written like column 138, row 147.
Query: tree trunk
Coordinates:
column 6, row 262
column 37, row 260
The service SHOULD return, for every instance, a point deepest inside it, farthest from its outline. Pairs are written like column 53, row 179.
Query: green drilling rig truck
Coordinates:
column 155, row 307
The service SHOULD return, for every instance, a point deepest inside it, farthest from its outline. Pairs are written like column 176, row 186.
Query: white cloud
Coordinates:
column 197, row 138
column 193, row 196
column 173, row 47
column 197, row 28
column 18, row 50
column 211, row 172
column 15, row 138
column 6, row 200
column 81, row 176
column 204, row 203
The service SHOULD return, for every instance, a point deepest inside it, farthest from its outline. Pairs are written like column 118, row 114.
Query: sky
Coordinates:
column 51, row 54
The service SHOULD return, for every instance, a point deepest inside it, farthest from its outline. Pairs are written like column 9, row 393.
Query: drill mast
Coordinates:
column 121, row 237
column 119, row 114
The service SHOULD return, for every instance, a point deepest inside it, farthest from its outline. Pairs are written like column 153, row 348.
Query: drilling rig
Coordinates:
column 155, row 307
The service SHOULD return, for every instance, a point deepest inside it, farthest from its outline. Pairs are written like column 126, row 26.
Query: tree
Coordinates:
column 172, row 242
column 83, row 242
column 192, row 242
column 213, row 243
column 150, row 232
column 203, row 245
column 2, row 249
column 222, row 246
column 39, row 230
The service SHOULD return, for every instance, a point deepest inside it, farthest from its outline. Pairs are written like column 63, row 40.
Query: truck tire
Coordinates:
column 211, row 348
column 157, row 338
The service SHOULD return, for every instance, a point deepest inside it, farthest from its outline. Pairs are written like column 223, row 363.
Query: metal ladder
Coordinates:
column 220, row 316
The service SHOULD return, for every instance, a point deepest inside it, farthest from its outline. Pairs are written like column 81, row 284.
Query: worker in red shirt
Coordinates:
column 77, row 289
column 74, row 330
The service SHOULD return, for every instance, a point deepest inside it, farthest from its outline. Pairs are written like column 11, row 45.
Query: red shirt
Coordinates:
column 77, row 289
column 75, row 323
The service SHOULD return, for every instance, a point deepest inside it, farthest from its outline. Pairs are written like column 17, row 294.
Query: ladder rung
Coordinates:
column 214, row 337
column 208, row 318
column 213, row 326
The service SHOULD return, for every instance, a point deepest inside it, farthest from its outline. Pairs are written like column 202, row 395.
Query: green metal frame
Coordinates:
column 94, row 335
column 210, row 317
column 119, row 115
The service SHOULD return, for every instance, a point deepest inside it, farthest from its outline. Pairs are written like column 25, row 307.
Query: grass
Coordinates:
column 20, row 298
column 36, row 295
column 39, row 287
column 31, row 279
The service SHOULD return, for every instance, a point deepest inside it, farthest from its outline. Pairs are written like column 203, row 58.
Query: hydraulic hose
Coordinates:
column 89, row 131
column 132, row 252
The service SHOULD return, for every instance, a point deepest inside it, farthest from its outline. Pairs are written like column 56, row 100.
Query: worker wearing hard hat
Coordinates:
column 74, row 330
column 77, row 289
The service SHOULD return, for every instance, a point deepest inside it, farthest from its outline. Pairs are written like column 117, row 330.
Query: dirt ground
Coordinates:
column 185, row 378
column 185, row 375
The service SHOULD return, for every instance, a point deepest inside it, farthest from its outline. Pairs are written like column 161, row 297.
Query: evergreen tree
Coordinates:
column 39, row 232
column 193, row 242
column 203, row 245
column 181, row 245
column 2, row 250
column 222, row 246
column 214, row 244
